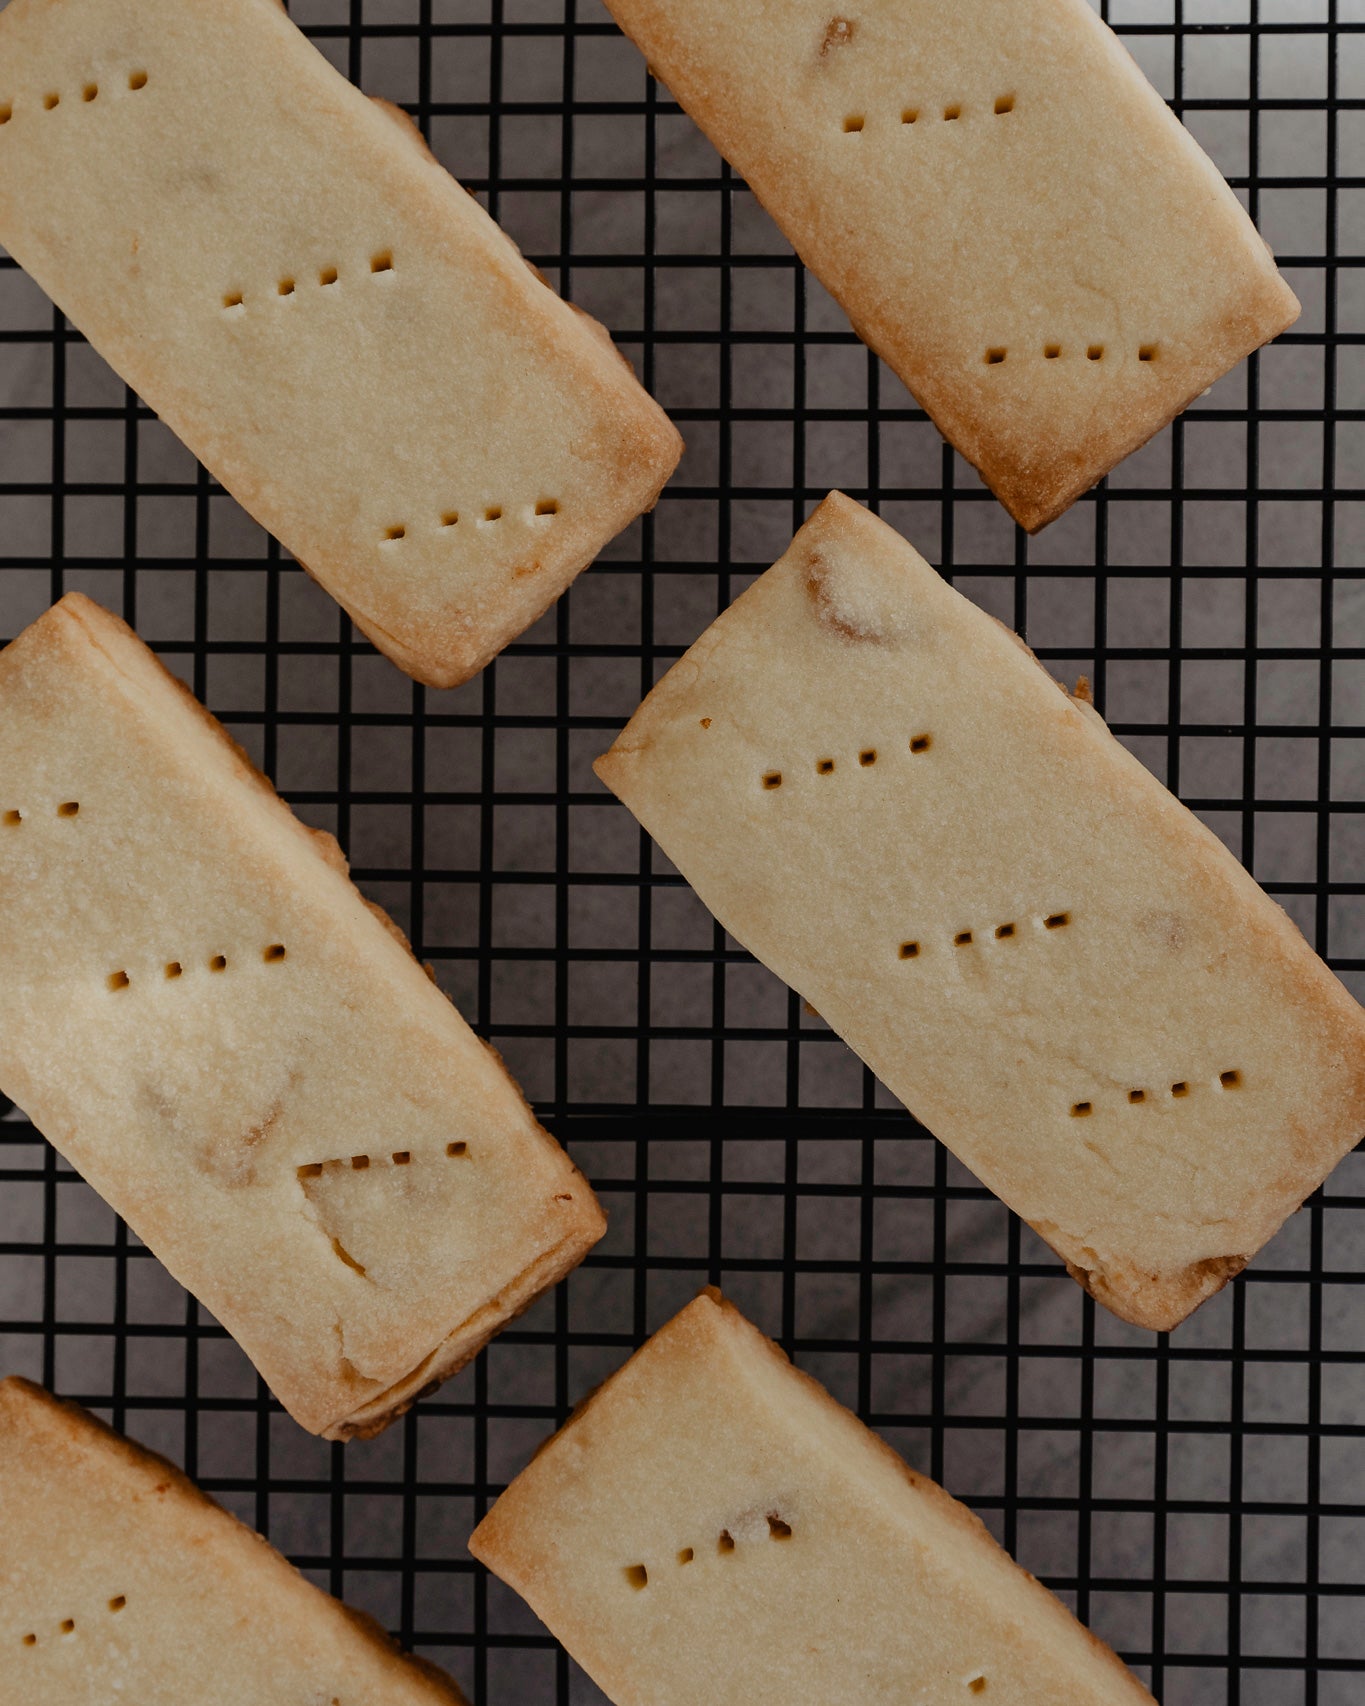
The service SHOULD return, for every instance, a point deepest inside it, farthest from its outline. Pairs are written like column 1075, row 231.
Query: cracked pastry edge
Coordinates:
column 464, row 1342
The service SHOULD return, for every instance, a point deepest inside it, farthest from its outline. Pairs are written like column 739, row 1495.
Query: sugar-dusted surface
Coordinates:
column 244, row 1059
column 1057, row 968
column 712, row 1527
column 122, row 1581
column 287, row 276
column 1002, row 204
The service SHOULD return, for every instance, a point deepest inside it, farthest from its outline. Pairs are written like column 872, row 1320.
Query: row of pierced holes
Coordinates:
column 1231, row 1080
column 67, row 1626
column 288, row 286
column 68, row 808
column 218, row 962
column 855, row 122
column 359, row 1163
column 1003, row 932
column 866, row 759
column 638, row 1576
column 89, row 92
column 1053, row 352
column 494, row 512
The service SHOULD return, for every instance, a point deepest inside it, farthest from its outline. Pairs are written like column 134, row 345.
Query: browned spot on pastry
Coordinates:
column 838, row 33
column 343, row 1255
column 1156, row 1301
column 1166, row 928
column 831, row 612
column 257, row 1133
column 817, row 590
column 1216, row 1270
column 1083, row 692
column 231, row 1158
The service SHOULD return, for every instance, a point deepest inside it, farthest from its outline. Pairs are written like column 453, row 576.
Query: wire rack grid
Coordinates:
column 1199, row 1499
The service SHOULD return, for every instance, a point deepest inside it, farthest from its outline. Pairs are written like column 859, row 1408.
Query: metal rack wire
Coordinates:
column 1200, row 1500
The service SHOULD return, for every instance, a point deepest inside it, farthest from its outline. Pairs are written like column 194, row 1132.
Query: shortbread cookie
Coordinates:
column 344, row 337
column 1008, row 212
column 712, row 1529
column 1064, row 975
column 242, row 1056
column 121, row 1581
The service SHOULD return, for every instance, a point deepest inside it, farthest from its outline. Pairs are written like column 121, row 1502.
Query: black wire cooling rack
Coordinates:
column 1200, row 1500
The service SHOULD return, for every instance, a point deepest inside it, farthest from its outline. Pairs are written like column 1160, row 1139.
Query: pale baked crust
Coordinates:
column 1084, row 216
column 450, row 382
column 1121, row 961
column 242, row 1056
column 886, row 1590
column 169, row 1598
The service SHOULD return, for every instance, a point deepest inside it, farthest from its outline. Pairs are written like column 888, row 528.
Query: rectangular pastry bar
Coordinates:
column 1061, row 971
column 1006, row 209
column 199, row 1010
column 121, row 1581
column 712, row 1529
column 341, row 334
